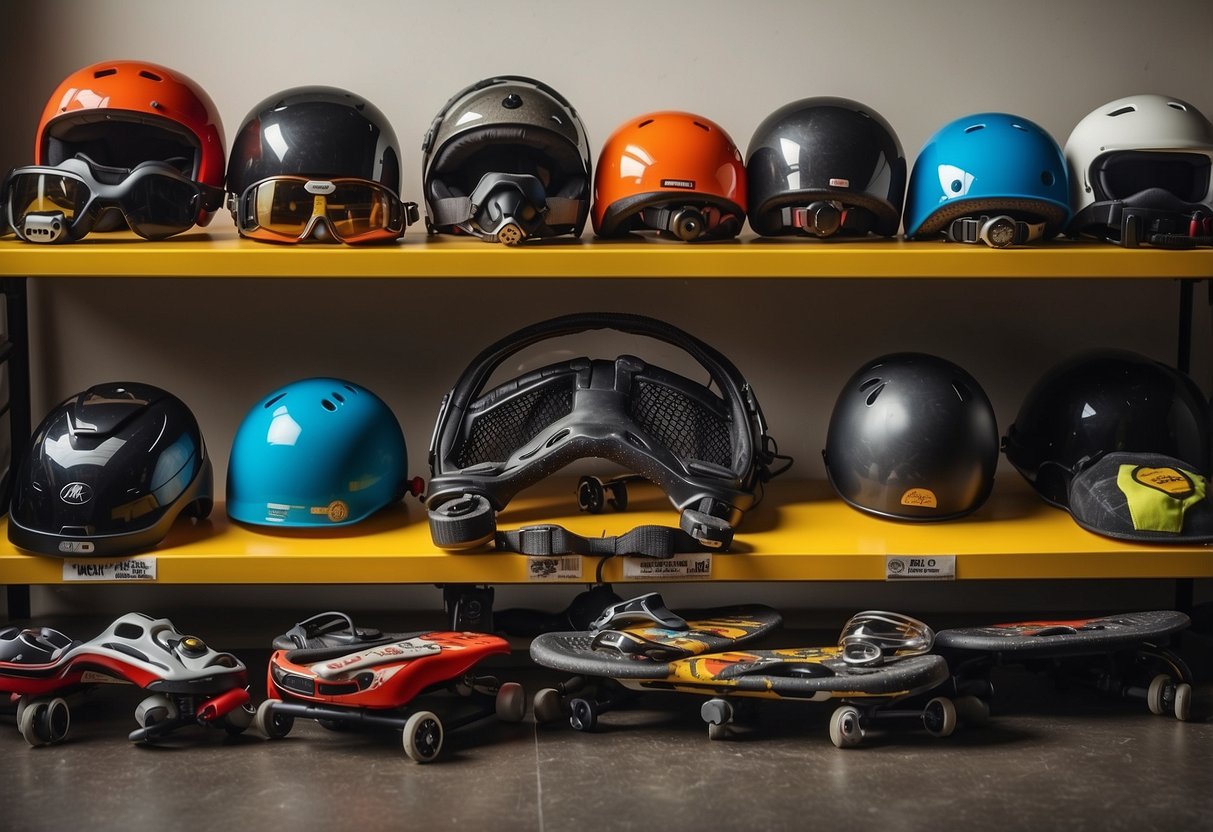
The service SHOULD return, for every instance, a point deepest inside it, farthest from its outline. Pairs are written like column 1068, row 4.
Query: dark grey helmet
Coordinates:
column 912, row 437
column 507, row 158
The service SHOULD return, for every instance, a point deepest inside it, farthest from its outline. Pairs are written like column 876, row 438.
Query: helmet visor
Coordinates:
column 1121, row 175
column 286, row 209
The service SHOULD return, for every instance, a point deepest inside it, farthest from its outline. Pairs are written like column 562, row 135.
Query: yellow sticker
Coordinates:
column 923, row 497
column 336, row 511
column 1170, row 481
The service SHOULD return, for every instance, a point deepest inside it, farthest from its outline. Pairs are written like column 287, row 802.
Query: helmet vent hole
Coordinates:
column 645, row 123
column 151, row 76
column 340, row 398
column 1122, row 111
column 351, row 389
column 274, row 400
column 872, row 382
column 702, row 127
column 1046, row 177
column 961, row 391
column 1019, row 127
column 1177, row 106
column 973, row 128
column 327, row 405
column 101, row 73
column 871, row 400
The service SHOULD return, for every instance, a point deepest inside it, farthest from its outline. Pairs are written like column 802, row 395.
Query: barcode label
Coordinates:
column 563, row 568
column 676, row 568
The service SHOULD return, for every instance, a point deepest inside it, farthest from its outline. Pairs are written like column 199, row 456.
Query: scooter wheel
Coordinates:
column 43, row 722
column 510, row 704
column 547, row 706
column 270, row 724
column 422, row 737
column 584, row 714
column 939, row 717
column 155, row 708
column 846, row 729
column 236, row 721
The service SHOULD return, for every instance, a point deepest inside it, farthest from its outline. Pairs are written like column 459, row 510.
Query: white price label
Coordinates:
column 562, row 568
column 920, row 568
column 130, row 569
column 679, row 567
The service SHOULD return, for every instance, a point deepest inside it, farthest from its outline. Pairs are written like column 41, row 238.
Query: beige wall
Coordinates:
column 221, row 344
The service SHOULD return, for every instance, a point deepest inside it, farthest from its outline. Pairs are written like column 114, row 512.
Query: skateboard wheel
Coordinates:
column 1156, row 694
column 972, row 710
column 269, row 723
column 155, row 708
column 584, row 715
column 422, row 737
column 547, row 706
column 590, row 495
column 716, row 712
column 44, row 721
column 939, row 717
column 510, row 704
column 1183, row 701
column 846, row 729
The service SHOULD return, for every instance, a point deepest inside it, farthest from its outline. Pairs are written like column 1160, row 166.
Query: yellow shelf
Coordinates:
column 801, row 532
column 220, row 252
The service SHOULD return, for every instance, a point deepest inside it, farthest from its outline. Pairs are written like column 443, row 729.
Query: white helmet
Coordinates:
column 1140, row 172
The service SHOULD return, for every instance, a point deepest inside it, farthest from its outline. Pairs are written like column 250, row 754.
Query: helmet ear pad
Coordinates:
column 507, row 148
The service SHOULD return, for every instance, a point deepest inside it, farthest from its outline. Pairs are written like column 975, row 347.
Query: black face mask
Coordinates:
column 509, row 207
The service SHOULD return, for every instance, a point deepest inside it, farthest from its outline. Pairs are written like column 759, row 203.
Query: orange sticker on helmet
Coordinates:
column 921, row 497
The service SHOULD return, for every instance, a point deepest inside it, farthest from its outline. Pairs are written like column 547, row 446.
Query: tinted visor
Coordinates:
column 37, row 193
column 354, row 209
column 1121, row 175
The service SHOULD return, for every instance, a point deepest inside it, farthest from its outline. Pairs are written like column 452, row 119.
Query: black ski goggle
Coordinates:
column 63, row 203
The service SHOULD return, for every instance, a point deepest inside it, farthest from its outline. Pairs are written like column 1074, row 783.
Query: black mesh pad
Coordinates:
column 687, row 428
column 500, row 431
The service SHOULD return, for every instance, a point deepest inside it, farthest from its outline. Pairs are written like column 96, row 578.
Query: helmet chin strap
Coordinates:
column 1154, row 216
column 997, row 232
column 827, row 217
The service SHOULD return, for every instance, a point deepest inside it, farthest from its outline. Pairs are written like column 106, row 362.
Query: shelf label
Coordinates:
column 562, row 568
column 920, row 568
column 129, row 569
column 677, row 568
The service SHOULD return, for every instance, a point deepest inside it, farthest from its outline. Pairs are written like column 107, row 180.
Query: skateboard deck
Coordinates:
column 640, row 650
column 1057, row 638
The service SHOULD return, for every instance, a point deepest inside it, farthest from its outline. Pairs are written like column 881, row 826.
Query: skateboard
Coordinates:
column 813, row 674
column 1118, row 654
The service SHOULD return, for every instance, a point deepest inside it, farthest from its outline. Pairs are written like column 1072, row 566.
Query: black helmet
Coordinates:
column 912, row 437
column 108, row 472
column 825, row 166
column 1104, row 401
column 507, row 158
column 320, row 136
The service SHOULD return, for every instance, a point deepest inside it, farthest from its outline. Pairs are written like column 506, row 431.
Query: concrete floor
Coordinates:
column 1048, row 759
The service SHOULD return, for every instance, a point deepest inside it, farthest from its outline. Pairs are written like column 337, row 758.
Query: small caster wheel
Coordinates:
column 236, row 721
column 45, row 721
column 939, row 717
column 1161, row 688
column 1183, row 701
column 972, row 710
column 846, row 728
column 590, row 495
column 718, row 731
column 271, row 724
column 422, row 737
column 717, row 712
column 155, row 709
column 547, row 706
column 583, row 714
column 510, row 704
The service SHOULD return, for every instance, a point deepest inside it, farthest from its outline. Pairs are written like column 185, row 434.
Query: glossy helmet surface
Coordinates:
column 1103, row 401
column 912, row 437
column 825, row 150
column 679, row 162
column 1146, row 151
column 504, row 151
column 324, row 132
column 988, row 163
column 108, row 471
column 317, row 452
column 121, row 113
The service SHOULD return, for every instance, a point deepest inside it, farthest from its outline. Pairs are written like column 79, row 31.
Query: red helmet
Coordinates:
column 150, row 112
column 670, row 171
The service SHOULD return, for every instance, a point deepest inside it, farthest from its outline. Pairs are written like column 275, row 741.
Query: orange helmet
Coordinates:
column 150, row 113
column 670, row 171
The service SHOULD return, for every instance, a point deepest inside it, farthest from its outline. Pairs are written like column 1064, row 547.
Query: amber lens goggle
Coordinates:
column 287, row 208
column 45, row 204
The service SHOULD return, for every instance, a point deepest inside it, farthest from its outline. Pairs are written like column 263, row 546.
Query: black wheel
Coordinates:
column 44, row 721
column 510, row 704
column 583, row 714
column 939, row 717
column 846, row 728
column 619, row 495
column 271, row 724
column 590, row 496
column 422, row 737
column 236, row 721
column 547, row 706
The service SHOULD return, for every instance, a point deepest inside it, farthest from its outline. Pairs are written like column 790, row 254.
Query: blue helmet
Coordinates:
column 989, row 177
column 317, row 452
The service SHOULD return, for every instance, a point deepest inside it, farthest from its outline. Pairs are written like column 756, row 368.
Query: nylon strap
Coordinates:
column 647, row 541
